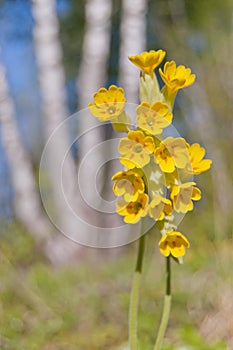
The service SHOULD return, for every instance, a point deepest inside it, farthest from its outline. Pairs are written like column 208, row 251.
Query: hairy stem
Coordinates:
column 134, row 299
column 166, row 307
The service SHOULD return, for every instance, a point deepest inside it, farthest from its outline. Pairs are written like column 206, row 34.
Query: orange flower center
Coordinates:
column 137, row 148
column 150, row 121
column 112, row 110
column 137, row 206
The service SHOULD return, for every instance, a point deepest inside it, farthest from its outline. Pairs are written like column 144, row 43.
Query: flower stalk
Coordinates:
column 134, row 298
column 157, row 167
column 166, row 307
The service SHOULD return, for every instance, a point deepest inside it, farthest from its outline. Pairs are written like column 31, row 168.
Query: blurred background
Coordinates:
column 54, row 55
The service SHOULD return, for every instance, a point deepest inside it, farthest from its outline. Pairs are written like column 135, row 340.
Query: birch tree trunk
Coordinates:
column 96, row 49
column 92, row 76
column 52, row 84
column 26, row 199
column 133, row 42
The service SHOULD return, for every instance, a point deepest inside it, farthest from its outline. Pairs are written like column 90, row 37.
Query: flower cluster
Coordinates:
column 156, row 181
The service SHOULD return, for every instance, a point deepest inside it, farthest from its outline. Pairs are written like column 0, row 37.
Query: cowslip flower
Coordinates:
column 183, row 195
column 176, row 78
column 153, row 118
column 133, row 211
column 173, row 243
column 129, row 185
column 147, row 61
column 172, row 153
column 197, row 164
column 159, row 207
column 108, row 104
column 135, row 150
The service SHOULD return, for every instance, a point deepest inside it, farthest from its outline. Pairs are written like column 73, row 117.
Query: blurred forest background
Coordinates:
column 54, row 55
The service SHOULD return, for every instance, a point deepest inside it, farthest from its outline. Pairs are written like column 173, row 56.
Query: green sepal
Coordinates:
column 178, row 260
column 121, row 123
column 149, row 88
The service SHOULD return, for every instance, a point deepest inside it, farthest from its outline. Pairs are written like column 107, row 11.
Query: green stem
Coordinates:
column 134, row 299
column 166, row 307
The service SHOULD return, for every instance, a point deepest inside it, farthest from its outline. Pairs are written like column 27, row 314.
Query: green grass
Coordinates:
column 85, row 306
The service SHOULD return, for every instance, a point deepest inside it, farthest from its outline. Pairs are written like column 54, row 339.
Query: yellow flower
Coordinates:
column 159, row 207
column 108, row 104
column 173, row 243
column 133, row 211
column 182, row 196
column 153, row 118
column 176, row 77
column 128, row 184
column 172, row 153
column 135, row 149
column 148, row 61
column 197, row 164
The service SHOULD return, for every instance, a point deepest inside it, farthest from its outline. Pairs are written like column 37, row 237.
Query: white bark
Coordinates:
column 52, row 84
column 26, row 199
column 133, row 42
column 92, row 76
column 96, row 48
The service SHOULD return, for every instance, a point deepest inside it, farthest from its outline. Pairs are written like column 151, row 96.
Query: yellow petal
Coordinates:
column 196, row 194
